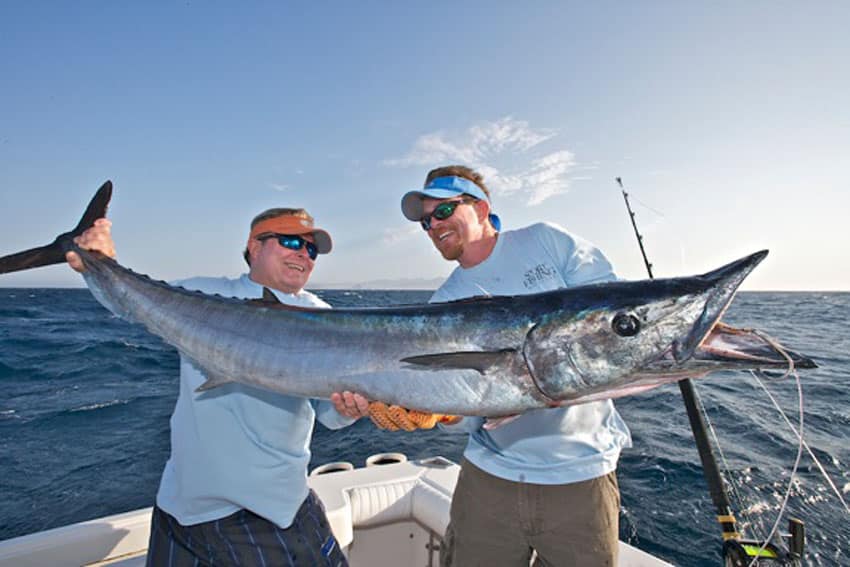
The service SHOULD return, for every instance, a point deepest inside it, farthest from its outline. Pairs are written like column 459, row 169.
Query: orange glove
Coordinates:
column 393, row 418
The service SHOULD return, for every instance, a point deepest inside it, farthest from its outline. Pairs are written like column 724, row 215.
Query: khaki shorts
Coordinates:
column 497, row 522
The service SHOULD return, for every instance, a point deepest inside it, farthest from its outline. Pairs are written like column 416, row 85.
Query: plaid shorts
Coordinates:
column 245, row 539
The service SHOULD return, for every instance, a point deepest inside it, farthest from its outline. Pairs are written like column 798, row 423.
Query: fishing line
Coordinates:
column 790, row 371
column 806, row 445
column 799, row 435
column 659, row 213
column 755, row 523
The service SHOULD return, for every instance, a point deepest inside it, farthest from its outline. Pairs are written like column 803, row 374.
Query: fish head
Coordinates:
column 603, row 335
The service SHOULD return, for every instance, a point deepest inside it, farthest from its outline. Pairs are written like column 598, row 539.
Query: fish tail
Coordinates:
column 54, row 253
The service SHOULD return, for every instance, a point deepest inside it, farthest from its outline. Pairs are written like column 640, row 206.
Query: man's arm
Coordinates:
column 463, row 424
column 328, row 414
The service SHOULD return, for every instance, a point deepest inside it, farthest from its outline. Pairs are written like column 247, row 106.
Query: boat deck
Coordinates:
column 392, row 514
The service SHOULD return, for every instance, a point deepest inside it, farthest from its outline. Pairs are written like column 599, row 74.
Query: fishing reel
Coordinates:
column 742, row 553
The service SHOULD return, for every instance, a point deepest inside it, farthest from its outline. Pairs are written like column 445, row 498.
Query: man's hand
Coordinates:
column 98, row 238
column 393, row 418
column 350, row 405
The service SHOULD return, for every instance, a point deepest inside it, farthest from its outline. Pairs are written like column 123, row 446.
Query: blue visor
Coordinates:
column 443, row 188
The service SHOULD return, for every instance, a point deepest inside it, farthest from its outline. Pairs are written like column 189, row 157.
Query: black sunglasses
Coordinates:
column 442, row 211
column 293, row 242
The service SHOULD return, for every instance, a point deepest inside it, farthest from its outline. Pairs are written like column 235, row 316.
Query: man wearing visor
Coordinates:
column 544, row 481
column 234, row 490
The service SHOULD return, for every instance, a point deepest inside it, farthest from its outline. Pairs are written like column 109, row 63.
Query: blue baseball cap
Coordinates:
column 443, row 188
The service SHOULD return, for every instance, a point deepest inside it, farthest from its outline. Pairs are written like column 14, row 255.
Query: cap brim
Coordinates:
column 324, row 244
column 321, row 238
column 411, row 203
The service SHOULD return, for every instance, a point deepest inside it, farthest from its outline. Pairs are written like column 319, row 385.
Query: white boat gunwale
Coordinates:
column 385, row 510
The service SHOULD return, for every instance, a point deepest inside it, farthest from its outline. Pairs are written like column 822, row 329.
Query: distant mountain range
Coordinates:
column 402, row 283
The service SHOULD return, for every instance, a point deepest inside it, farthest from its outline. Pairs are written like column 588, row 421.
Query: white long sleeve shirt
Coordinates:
column 545, row 446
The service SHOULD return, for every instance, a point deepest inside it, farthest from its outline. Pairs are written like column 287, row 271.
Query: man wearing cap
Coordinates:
column 544, row 481
column 234, row 490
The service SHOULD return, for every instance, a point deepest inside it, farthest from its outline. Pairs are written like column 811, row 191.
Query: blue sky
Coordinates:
column 728, row 122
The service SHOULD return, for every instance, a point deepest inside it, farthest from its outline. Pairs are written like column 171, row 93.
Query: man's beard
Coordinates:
column 453, row 249
column 453, row 252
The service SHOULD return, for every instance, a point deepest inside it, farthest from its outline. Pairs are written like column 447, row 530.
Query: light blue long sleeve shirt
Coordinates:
column 236, row 446
column 545, row 446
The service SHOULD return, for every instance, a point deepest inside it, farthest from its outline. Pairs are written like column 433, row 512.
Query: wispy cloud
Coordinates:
column 545, row 177
column 478, row 143
column 434, row 148
column 279, row 187
column 394, row 235
column 489, row 147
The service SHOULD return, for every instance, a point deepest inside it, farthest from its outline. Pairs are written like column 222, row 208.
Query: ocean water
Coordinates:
column 85, row 401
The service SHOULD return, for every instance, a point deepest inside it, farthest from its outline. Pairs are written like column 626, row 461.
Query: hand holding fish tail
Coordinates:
column 393, row 418
column 98, row 238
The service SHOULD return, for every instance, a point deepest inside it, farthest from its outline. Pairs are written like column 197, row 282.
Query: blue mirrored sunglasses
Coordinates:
column 294, row 242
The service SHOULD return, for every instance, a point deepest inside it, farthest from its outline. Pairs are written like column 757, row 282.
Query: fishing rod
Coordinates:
column 737, row 552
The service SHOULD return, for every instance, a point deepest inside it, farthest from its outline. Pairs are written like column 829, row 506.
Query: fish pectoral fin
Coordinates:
column 475, row 360
column 492, row 423
column 213, row 381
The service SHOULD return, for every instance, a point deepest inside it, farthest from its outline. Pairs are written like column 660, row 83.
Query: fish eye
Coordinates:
column 625, row 324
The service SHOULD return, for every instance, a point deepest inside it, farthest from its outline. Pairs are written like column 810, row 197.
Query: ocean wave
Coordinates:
column 99, row 405
column 108, row 347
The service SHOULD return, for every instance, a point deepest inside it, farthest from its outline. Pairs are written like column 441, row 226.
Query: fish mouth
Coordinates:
column 723, row 283
column 730, row 347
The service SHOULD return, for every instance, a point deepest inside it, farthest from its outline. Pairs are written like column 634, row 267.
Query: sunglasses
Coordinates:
column 294, row 242
column 441, row 212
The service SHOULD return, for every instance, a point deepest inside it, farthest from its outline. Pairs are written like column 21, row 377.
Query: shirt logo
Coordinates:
column 537, row 274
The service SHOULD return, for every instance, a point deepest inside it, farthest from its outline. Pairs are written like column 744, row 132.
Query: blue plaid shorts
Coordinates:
column 246, row 539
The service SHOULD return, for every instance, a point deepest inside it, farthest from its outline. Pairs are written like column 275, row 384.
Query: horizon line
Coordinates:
column 336, row 287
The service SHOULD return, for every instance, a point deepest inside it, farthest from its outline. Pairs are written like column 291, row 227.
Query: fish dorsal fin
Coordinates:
column 475, row 360
column 269, row 299
column 269, row 296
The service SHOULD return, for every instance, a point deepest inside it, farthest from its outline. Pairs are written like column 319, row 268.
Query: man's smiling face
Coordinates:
column 451, row 235
column 281, row 268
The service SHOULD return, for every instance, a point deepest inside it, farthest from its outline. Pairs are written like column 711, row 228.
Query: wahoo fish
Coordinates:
column 487, row 356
